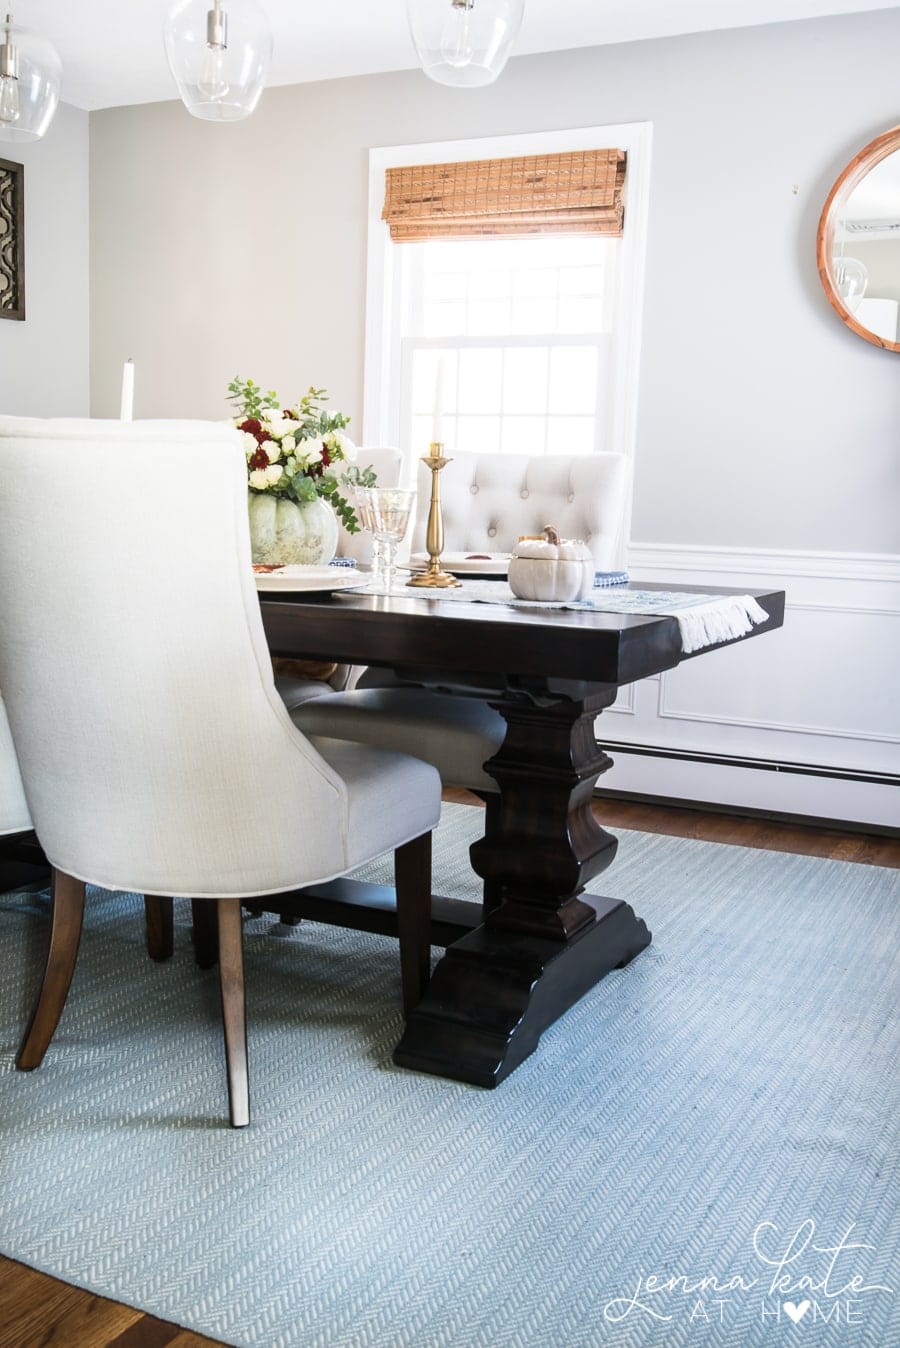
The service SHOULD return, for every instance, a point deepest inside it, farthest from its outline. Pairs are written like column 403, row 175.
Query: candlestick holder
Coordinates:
column 433, row 577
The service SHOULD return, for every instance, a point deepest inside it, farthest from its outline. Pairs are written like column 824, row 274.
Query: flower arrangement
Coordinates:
column 294, row 452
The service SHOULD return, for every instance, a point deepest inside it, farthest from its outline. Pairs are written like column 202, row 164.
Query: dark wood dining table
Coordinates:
column 514, row 965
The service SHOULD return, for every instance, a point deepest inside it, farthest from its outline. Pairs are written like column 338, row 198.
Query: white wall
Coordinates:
column 767, row 432
column 44, row 361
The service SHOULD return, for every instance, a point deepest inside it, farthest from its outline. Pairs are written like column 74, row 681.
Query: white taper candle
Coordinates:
column 438, row 422
column 126, row 411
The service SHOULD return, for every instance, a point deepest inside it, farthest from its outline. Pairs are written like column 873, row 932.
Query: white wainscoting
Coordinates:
column 803, row 721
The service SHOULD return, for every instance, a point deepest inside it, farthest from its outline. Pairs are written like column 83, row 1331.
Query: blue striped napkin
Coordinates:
column 604, row 578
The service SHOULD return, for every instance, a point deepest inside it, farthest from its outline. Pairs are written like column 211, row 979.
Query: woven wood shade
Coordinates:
column 576, row 193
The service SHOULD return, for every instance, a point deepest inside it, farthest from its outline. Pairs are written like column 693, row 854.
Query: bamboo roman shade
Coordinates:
column 575, row 193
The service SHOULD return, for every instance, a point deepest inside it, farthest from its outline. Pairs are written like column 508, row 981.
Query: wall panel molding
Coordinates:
column 818, row 694
column 861, row 566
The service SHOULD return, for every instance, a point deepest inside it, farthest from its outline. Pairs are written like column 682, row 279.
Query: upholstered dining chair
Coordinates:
column 155, row 753
column 487, row 500
column 297, row 681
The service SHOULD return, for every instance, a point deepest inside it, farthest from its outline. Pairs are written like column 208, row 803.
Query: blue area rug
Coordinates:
column 688, row 1159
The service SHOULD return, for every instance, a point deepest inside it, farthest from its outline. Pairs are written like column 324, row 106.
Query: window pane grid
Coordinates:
column 522, row 330
column 487, row 302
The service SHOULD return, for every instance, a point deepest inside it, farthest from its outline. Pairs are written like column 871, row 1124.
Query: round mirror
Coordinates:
column 858, row 244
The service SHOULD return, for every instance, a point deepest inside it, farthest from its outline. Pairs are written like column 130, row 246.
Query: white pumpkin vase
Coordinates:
column 551, row 569
column 288, row 533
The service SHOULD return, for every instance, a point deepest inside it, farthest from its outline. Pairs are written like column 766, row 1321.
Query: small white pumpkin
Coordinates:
column 551, row 568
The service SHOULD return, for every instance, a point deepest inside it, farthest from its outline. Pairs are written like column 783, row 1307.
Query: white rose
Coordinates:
column 345, row 445
column 288, row 444
column 273, row 450
column 277, row 425
column 258, row 479
column 309, row 452
column 250, row 445
column 273, row 473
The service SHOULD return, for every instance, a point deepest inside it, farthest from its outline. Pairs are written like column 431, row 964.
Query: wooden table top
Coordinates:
column 455, row 638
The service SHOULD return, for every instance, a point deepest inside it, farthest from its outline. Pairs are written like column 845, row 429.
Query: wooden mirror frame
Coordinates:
column 856, row 170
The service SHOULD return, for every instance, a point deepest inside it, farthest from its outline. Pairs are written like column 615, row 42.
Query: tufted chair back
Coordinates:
column 14, row 816
column 488, row 500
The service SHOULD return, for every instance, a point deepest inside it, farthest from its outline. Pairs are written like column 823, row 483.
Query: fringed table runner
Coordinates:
column 703, row 619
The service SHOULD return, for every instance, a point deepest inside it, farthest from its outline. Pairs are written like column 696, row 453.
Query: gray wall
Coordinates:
column 763, row 422
column 44, row 362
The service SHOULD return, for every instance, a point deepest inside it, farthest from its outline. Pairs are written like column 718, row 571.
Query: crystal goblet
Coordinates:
column 384, row 513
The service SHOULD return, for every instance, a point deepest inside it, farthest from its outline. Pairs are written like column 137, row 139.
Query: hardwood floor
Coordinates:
column 36, row 1310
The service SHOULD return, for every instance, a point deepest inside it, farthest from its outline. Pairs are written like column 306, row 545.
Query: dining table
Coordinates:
column 512, row 966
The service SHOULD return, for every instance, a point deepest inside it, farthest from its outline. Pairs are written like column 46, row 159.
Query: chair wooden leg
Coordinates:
column 205, row 934
column 412, row 880
column 234, row 1013
column 160, row 921
column 65, row 935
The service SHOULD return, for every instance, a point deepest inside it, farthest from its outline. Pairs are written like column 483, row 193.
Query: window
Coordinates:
column 520, row 330
column 536, row 337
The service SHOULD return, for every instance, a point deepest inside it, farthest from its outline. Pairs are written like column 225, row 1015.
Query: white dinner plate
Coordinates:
column 466, row 563
column 311, row 579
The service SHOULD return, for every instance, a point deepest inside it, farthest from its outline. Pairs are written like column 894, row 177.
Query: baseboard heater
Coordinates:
column 753, row 764
column 758, row 764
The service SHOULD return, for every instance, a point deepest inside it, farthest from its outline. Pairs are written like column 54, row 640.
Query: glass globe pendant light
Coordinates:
column 30, row 76
column 219, row 53
column 464, row 42
column 851, row 277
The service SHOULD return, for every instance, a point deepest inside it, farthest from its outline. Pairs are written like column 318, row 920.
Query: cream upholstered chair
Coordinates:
column 155, row 753
column 487, row 501
column 297, row 685
column 387, row 463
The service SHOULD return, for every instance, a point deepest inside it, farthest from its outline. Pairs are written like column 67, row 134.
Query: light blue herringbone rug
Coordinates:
column 717, row 1117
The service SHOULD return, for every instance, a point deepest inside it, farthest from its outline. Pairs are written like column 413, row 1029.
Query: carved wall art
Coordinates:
column 12, row 240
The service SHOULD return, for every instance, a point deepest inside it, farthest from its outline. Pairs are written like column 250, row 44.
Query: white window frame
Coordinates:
column 381, row 402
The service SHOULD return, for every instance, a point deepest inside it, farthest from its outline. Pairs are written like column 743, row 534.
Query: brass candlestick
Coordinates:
column 433, row 577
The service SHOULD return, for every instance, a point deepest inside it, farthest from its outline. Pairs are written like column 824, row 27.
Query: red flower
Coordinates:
column 251, row 425
column 260, row 459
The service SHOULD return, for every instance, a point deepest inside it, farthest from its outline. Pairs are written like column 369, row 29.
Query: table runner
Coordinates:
column 703, row 619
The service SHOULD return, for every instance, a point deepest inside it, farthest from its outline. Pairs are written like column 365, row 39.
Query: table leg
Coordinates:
column 546, row 942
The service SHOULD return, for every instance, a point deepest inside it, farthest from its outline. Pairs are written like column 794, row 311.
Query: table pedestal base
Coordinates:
column 490, row 997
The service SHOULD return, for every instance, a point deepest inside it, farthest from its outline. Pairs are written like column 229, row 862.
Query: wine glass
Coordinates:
column 384, row 513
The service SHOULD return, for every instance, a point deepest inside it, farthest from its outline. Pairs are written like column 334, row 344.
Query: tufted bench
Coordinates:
column 489, row 500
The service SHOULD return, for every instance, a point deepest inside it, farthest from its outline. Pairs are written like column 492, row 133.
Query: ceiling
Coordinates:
column 112, row 50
